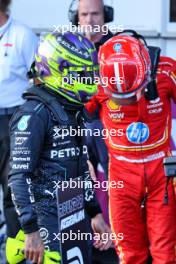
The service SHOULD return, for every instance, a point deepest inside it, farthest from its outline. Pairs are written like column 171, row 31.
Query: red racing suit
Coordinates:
column 138, row 138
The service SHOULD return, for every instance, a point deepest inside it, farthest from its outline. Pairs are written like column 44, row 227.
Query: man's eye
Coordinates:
column 84, row 14
column 95, row 13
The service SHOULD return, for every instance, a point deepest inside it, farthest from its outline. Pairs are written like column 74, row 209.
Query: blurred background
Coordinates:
column 156, row 20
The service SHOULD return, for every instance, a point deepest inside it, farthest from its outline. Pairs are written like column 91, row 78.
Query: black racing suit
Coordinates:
column 41, row 155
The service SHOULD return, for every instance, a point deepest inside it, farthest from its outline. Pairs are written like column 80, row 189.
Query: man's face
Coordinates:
column 90, row 13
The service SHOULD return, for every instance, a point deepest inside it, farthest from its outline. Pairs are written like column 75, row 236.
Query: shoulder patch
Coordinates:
column 23, row 123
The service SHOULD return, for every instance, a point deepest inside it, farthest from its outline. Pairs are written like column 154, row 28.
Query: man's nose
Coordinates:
column 89, row 19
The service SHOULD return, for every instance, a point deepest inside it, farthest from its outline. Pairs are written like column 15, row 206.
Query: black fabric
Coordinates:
column 105, row 257
column 98, row 152
column 132, row 33
column 152, row 93
column 12, row 223
column 103, row 40
column 41, row 156
column 49, row 100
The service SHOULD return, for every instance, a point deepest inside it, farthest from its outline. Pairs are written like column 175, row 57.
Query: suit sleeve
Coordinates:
column 167, row 71
column 95, row 102
column 91, row 204
column 173, row 83
column 27, row 131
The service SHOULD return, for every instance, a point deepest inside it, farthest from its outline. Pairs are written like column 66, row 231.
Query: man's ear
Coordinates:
column 73, row 12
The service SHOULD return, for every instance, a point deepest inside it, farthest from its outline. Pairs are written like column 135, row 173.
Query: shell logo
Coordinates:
column 113, row 106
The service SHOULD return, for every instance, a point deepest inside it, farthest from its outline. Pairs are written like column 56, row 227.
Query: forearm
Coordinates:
column 91, row 204
column 23, row 200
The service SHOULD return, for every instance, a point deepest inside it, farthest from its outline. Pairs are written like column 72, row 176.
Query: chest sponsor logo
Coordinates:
column 21, row 152
column 21, row 159
column 68, row 152
column 116, row 116
column 23, row 123
column 22, row 133
column 112, row 106
column 137, row 132
column 155, row 106
column 62, row 143
column 8, row 45
column 20, row 166
column 115, row 111
column 20, row 140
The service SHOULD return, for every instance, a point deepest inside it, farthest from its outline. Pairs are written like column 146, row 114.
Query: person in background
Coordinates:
column 17, row 48
column 91, row 16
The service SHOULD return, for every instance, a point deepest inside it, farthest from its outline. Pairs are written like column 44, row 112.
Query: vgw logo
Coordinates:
column 137, row 132
column 74, row 256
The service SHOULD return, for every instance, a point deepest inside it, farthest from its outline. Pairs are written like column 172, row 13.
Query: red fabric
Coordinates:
column 156, row 115
column 156, row 222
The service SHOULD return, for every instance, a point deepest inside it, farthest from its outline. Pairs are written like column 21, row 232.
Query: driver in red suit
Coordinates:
column 139, row 133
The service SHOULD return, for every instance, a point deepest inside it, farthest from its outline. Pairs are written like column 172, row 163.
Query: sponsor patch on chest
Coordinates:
column 155, row 106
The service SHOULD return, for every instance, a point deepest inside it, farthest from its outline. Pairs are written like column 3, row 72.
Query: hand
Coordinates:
column 104, row 233
column 34, row 247
column 92, row 171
